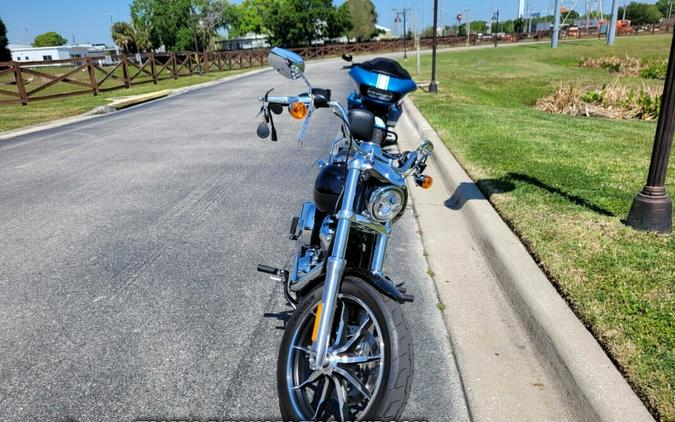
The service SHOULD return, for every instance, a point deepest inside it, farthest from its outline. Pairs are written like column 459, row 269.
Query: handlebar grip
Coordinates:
column 284, row 101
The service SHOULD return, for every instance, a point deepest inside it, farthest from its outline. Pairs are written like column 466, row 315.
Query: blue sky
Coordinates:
column 89, row 20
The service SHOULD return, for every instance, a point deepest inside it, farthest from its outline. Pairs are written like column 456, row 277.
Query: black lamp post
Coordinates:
column 433, row 87
column 405, row 30
column 652, row 208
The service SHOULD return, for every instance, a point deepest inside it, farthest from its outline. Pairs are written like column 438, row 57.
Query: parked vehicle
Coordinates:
column 380, row 85
column 346, row 352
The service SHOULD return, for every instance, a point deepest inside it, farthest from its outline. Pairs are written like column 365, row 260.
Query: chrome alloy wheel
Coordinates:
column 343, row 389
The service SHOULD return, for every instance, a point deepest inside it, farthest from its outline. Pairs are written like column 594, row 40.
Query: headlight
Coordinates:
column 380, row 94
column 386, row 203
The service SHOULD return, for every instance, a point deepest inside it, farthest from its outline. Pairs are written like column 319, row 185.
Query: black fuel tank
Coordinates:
column 328, row 187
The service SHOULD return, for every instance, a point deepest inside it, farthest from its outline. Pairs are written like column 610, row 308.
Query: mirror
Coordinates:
column 426, row 147
column 263, row 130
column 287, row 63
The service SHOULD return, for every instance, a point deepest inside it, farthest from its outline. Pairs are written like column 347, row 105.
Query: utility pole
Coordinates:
column 624, row 9
column 417, row 37
column 194, row 32
column 652, row 208
column 433, row 87
column 556, row 25
column 110, row 15
column 611, row 30
column 468, row 26
column 495, row 19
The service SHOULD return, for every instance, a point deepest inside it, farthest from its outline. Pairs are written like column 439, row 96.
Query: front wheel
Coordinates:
column 370, row 364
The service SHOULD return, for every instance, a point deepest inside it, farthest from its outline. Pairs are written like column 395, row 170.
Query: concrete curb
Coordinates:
column 590, row 379
column 124, row 102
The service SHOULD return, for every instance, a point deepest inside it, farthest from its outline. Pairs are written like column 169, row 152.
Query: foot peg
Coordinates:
column 269, row 270
column 277, row 273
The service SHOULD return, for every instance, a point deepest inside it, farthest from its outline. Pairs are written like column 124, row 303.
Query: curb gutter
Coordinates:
column 590, row 380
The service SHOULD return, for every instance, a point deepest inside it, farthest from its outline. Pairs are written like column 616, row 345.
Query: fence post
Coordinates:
column 173, row 65
column 151, row 57
column 92, row 75
column 125, row 72
column 18, row 77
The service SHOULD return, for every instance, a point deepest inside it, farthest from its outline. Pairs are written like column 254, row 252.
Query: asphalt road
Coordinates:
column 128, row 247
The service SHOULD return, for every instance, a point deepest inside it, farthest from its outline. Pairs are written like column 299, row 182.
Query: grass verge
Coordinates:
column 565, row 184
column 18, row 116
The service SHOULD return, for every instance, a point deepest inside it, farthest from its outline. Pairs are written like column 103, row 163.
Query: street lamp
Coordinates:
column 403, row 12
column 459, row 22
column 433, row 87
column 652, row 208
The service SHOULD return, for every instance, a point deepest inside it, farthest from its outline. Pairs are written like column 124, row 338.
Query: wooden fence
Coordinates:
column 25, row 82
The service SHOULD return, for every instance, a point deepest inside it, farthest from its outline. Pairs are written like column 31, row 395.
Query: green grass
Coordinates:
column 565, row 184
column 18, row 116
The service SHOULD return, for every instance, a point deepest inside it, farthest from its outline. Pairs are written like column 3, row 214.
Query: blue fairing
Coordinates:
column 378, row 80
column 384, row 85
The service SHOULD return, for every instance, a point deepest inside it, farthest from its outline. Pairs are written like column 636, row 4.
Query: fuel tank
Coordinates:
column 328, row 187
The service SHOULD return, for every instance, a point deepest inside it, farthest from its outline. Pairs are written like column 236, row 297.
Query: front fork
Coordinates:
column 335, row 268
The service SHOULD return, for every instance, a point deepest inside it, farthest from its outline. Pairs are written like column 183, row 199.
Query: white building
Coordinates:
column 247, row 42
column 26, row 53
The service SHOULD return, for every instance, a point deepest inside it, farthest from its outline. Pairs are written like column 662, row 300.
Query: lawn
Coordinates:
column 18, row 116
column 565, row 185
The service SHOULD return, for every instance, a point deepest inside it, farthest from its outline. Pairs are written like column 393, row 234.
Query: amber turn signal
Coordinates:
column 424, row 182
column 298, row 110
column 315, row 330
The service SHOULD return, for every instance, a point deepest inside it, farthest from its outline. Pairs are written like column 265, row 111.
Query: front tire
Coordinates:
column 371, row 366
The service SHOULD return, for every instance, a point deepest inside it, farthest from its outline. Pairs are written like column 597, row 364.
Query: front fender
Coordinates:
column 383, row 284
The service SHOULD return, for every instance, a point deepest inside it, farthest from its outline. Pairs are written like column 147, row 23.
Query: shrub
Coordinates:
column 654, row 68
column 614, row 101
column 628, row 66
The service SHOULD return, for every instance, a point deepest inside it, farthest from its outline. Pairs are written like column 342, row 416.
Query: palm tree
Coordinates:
column 124, row 36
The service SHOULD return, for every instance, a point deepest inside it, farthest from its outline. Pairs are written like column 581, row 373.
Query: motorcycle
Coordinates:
column 380, row 86
column 346, row 352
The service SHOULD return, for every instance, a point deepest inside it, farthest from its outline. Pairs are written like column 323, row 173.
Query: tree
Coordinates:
column 175, row 23
column 5, row 54
column 642, row 13
column 664, row 7
column 364, row 19
column 49, row 39
column 124, row 37
column 248, row 18
column 340, row 22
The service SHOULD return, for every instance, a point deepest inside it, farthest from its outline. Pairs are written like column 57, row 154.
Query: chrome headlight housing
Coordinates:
column 385, row 203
